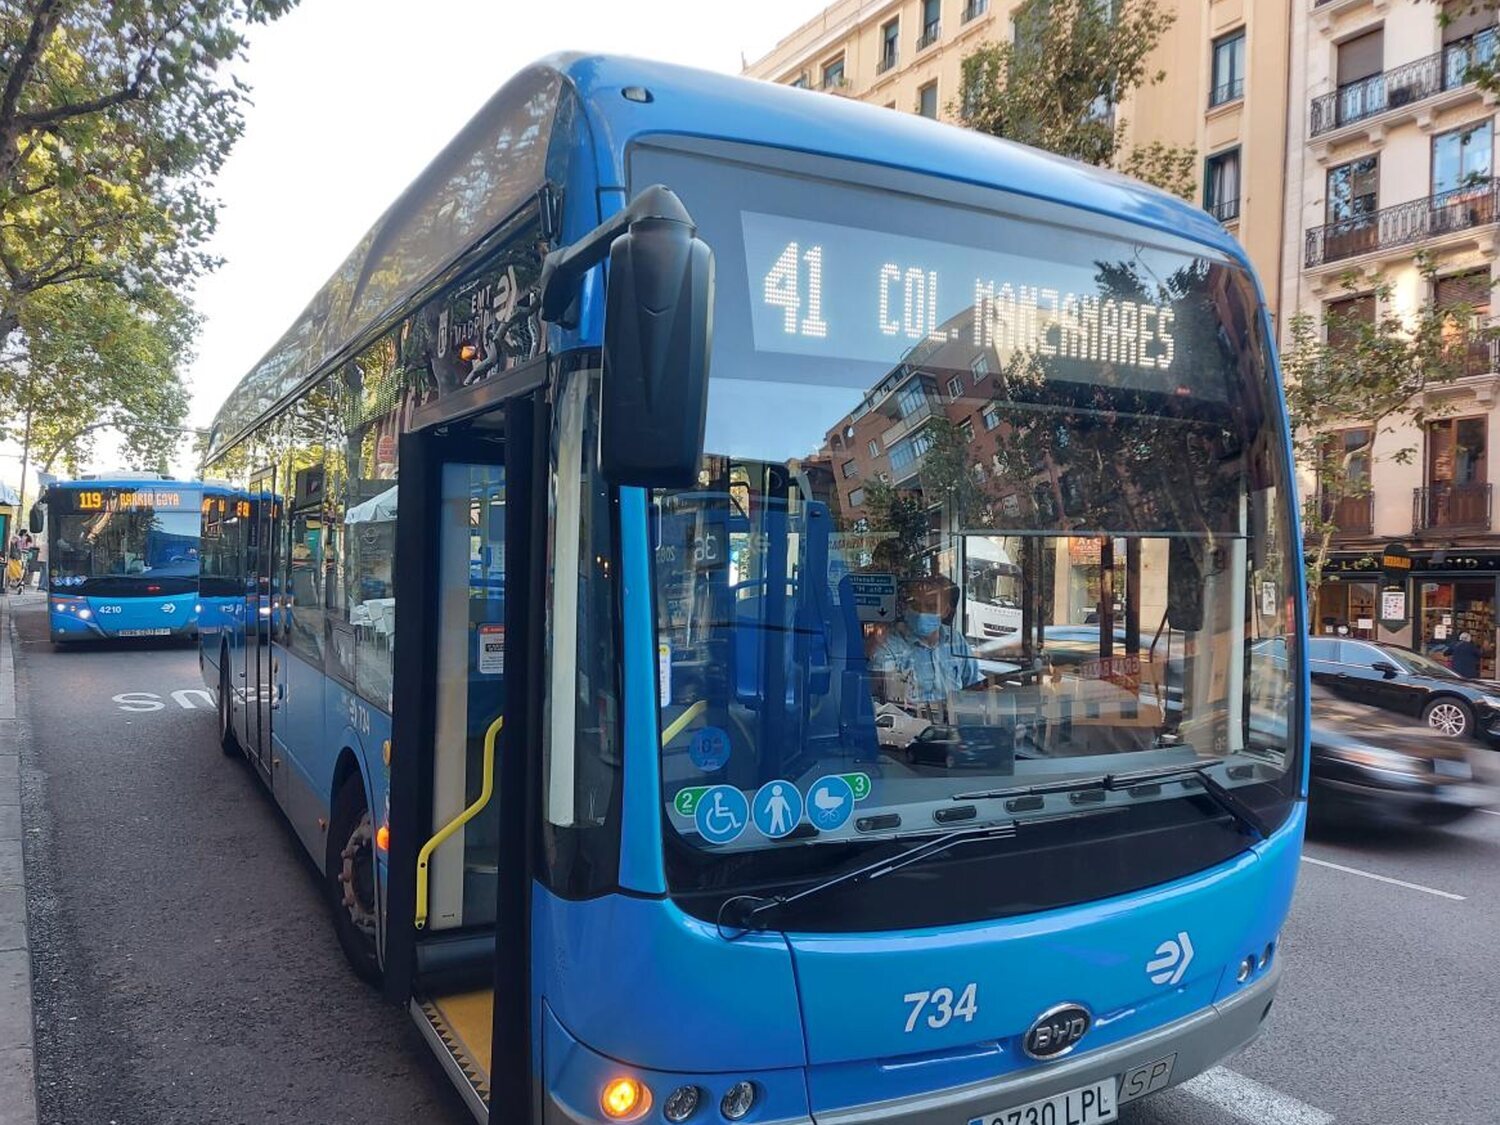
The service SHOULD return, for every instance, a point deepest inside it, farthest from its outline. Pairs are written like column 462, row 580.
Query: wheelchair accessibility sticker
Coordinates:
column 722, row 814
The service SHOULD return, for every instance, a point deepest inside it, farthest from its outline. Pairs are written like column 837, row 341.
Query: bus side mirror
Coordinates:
column 1185, row 585
column 658, row 332
column 36, row 522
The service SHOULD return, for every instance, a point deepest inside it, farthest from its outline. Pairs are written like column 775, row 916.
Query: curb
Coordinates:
column 17, row 1069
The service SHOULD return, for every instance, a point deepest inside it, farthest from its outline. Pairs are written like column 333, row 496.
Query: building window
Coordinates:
column 1228, row 69
column 1465, row 301
column 1344, row 320
column 833, row 74
column 1221, row 185
column 1462, row 159
column 932, row 26
column 1353, row 189
column 800, row 82
column 980, row 367
column 927, row 100
column 1455, row 451
column 857, row 498
column 874, row 447
column 975, row 8
column 890, row 37
column 968, row 429
column 850, row 469
column 912, row 399
column 955, row 388
column 990, row 417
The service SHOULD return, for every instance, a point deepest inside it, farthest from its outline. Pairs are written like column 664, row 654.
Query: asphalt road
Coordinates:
column 186, row 971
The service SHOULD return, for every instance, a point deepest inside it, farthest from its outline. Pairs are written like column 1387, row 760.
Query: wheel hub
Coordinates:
column 357, row 875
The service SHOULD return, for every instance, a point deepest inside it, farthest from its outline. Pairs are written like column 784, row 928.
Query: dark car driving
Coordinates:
column 1396, row 679
column 1386, row 769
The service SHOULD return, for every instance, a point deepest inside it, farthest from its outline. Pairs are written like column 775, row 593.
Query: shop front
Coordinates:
column 1447, row 593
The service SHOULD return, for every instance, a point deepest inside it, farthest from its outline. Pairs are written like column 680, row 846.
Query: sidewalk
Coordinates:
column 17, row 1081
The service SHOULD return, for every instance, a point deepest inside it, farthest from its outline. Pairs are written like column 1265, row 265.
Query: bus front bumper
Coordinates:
column 1190, row 1046
column 1172, row 1053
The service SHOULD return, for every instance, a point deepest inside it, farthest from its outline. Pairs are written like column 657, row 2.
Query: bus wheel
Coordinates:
column 227, row 740
column 350, row 878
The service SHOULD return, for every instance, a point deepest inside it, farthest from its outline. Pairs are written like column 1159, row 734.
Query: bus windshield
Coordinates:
column 105, row 544
column 992, row 511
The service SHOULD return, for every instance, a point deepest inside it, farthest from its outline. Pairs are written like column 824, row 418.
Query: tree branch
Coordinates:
column 43, row 23
column 79, row 109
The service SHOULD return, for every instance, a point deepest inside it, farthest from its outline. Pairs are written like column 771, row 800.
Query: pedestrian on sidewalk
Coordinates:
column 1463, row 657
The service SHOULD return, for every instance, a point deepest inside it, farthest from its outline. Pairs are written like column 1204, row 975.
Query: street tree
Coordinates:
column 86, row 357
column 1351, row 377
column 1058, row 85
column 1483, row 63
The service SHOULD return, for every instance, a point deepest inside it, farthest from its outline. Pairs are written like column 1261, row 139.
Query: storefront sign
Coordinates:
column 1393, row 608
column 1396, row 561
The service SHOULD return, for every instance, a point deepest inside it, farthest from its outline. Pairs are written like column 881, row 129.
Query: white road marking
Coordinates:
column 1489, row 812
column 1247, row 1100
column 1385, row 879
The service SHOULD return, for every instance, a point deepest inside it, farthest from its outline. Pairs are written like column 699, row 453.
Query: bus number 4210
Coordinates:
column 940, row 1006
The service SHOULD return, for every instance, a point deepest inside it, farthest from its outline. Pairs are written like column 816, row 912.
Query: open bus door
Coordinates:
column 460, row 863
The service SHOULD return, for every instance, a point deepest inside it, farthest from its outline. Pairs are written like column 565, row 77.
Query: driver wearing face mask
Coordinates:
column 922, row 660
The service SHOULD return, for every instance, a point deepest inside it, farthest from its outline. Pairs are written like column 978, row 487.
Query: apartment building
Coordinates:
column 1391, row 152
column 1225, row 92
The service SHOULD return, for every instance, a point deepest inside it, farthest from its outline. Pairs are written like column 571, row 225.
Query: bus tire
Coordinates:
column 349, row 876
column 228, row 742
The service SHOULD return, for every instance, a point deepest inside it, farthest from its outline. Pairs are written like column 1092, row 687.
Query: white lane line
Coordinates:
column 1247, row 1100
column 1385, row 879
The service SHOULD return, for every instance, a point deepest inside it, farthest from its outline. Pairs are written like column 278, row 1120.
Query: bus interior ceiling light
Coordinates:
column 624, row 1098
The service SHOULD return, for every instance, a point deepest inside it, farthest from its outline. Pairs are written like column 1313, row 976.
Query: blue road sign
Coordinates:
column 722, row 814
column 830, row 803
column 777, row 809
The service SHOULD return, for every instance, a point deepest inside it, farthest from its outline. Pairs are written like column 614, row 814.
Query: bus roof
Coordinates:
column 499, row 161
column 139, row 483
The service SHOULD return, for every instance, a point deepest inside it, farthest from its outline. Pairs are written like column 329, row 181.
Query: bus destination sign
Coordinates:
column 116, row 499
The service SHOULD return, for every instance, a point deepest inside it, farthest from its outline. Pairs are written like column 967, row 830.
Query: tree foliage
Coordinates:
column 1345, row 371
column 114, row 115
column 1058, row 85
column 1483, row 65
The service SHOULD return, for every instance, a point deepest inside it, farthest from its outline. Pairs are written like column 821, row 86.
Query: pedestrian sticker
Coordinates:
column 491, row 649
column 722, row 814
column 830, row 803
column 777, row 809
column 709, row 749
column 686, row 800
column 859, row 784
column 874, row 596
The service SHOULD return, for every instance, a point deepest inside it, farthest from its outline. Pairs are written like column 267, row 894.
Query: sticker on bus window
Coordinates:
column 664, row 670
column 491, row 649
column 709, row 749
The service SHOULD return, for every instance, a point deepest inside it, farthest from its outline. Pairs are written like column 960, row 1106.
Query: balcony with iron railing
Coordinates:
column 1478, row 357
column 1405, row 85
column 1350, row 516
column 974, row 9
column 1225, row 210
column 1451, row 507
column 1405, row 224
column 908, row 423
column 886, row 62
column 834, row 83
column 930, row 35
column 1226, row 92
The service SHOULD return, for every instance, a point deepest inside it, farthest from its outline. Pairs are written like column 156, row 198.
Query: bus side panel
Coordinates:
column 298, row 735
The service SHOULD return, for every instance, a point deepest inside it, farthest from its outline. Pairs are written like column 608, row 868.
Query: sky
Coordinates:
column 352, row 98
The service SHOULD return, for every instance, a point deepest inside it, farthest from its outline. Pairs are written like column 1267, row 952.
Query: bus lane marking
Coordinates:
column 1245, row 1099
column 1385, row 879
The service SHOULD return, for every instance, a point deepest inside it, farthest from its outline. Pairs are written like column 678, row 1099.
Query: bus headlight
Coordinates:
column 737, row 1100
column 624, row 1098
column 681, row 1103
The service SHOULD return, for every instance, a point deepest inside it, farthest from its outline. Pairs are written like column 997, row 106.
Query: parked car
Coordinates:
column 895, row 727
column 942, row 745
column 1387, row 769
column 1399, row 680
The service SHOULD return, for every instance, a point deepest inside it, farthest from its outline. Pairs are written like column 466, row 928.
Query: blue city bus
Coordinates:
column 669, row 407
column 122, row 558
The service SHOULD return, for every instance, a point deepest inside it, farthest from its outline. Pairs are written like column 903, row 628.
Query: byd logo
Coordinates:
column 1173, row 956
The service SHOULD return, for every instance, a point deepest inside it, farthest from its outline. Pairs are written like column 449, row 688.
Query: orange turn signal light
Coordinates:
column 622, row 1098
column 383, row 838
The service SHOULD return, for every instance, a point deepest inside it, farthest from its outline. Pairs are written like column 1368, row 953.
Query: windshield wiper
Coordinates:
column 740, row 912
column 1223, row 796
column 1220, row 793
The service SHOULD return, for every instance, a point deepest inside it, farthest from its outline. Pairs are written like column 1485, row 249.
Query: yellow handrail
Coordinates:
column 486, row 789
column 677, row 725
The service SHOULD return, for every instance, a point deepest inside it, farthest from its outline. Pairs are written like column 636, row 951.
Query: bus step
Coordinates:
column 458, row 1028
